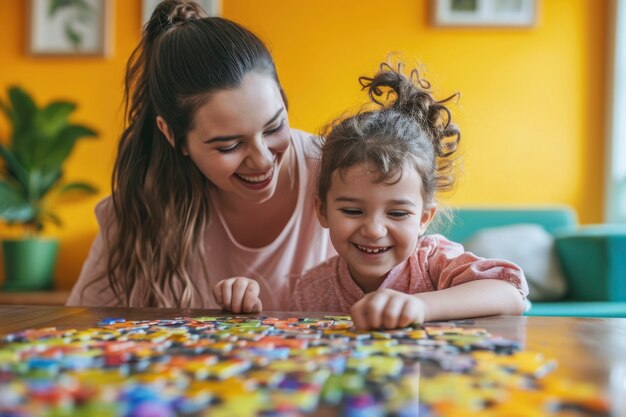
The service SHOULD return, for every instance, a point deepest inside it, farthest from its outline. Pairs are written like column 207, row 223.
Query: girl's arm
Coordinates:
column 465, row 286
column 470, row 286
column 390, row 309
column 483, row 297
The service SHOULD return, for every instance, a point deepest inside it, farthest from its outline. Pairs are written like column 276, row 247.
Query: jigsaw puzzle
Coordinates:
column 265, row 366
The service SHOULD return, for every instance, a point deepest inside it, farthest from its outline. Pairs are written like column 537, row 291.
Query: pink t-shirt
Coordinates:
column 302, row 244
column 437, row 263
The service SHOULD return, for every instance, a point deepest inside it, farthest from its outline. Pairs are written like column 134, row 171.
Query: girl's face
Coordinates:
column 240, row 137
column 374, row 226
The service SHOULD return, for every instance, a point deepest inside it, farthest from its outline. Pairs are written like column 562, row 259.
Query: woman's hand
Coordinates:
column 239, row 295
column 387, row 309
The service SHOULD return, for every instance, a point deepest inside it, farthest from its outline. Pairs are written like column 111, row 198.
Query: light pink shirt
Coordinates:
column 302, row 244
column 437, row 263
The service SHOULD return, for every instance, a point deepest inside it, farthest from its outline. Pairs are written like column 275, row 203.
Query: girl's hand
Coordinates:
column 239, row 295
column 387, row 309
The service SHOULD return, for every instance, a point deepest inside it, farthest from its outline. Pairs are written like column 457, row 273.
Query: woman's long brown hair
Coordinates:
column 160, row 199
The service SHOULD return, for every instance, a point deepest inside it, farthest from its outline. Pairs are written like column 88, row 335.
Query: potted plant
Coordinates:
column 31, row 178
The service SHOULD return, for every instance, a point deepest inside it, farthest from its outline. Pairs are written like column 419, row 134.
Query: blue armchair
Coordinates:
column 593, row 258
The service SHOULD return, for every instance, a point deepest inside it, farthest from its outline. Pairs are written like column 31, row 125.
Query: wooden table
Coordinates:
column 45, row 298
column 587, row 349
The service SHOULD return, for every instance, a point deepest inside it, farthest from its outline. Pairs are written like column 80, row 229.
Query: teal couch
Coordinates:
column 593, row 258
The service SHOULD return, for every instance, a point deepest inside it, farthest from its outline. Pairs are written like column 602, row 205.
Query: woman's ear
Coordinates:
column 428, row 214
column 165, row 129
column 321, row 211
column 167, row 132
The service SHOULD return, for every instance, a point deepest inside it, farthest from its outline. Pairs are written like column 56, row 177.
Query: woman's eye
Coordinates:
column 398, row 214
column 351, row 211
column 230, row 148
column 275, row 129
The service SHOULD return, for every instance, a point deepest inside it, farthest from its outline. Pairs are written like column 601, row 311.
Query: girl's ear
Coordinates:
column 321, row 211
column 167, row 132
column 428, row 214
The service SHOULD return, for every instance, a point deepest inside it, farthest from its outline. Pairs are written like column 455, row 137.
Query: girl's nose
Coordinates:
column 373, row 229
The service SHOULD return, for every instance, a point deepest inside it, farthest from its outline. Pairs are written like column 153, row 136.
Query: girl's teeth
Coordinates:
column 369, row 250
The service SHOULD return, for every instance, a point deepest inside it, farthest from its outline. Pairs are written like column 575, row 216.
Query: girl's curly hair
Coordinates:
column 407, row 124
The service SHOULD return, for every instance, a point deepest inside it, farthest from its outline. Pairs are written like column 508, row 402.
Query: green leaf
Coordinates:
column 73, row 36
column 14, row 208
column 61, row 147
column 53, row 117
column 24, row 147
column 81, row 187
column 46, row 180
column 24, row 107
column 56, row 5
column 14, row 166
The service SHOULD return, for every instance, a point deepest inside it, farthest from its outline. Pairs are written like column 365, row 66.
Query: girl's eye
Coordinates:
column 230, row 148
column 275, row 129
column 398, row 214
column 351, row 211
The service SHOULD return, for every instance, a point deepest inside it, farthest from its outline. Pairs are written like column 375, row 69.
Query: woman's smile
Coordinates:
column 256, row 181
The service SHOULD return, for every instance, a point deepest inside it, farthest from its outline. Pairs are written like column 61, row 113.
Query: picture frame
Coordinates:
column 69, row 28
column 212, row 7
column 485, row 13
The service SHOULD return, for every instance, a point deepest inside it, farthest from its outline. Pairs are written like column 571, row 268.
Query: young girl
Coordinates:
column 380, row 171
column 210, row 181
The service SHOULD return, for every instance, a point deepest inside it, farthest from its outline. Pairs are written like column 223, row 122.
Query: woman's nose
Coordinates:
column 260, row 156
column 373, row 229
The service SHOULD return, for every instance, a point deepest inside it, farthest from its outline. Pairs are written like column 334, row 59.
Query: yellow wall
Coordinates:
column 531, row 109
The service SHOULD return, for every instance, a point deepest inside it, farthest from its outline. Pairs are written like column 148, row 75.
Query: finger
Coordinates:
column 258, row 307
column 217, row 292
column 250, row 299
column 375, row 309
column 358, row 316
column 239, row 292
column 391, row 312
column 409, row 314
column 226, row 294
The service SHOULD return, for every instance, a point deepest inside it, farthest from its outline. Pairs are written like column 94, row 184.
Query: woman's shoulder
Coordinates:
column 306, row 142
column 104, row 211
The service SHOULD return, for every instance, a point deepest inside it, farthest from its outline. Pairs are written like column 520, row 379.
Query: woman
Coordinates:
column 210, row 181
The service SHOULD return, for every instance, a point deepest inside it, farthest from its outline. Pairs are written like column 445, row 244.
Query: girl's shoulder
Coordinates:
column 436, row 243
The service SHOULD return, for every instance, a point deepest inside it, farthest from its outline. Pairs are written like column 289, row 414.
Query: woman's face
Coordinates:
column 240, row 137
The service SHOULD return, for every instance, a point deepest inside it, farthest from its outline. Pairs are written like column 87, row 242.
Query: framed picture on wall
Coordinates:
column 68, row 27
column 484, row 12
column 212, row 7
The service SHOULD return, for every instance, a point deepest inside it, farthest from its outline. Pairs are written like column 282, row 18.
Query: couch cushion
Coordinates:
column 530, row 247
column 594, row 260
column 578, row 309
